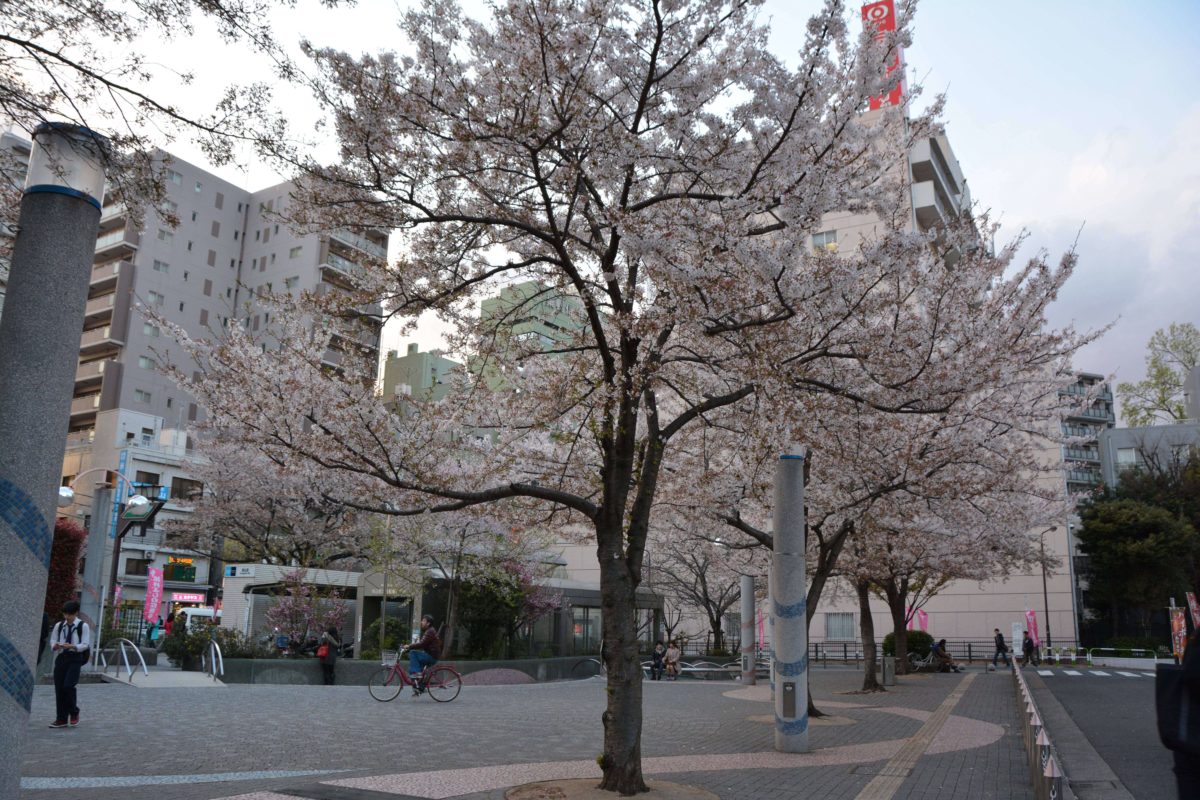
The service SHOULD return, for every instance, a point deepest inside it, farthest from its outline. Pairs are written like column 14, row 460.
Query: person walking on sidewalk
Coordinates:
column 327, row 652
column 1001, row 650
column 72, row 640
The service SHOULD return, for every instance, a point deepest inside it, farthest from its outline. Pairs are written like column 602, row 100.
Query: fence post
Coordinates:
column 970, row 656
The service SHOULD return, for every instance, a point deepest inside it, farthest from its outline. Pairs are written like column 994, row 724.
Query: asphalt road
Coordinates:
column 1116, row 714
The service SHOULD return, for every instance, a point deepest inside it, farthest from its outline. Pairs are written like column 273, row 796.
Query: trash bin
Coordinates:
column 889, row 670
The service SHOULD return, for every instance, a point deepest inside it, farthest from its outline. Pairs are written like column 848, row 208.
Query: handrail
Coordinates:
column 1151, row 654
column 1045, row 772
column 214, row 663
column 124, row 658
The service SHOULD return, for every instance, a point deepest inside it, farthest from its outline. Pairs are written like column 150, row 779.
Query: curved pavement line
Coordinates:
column 953, row 733
column 168, row 780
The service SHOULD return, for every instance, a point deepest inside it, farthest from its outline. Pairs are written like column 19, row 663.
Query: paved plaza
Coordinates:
column 933, row 736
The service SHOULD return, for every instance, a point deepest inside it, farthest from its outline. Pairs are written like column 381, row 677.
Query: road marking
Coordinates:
column 1045, row 672
column 163, row 780
column 1101, row 672
column 1128, row 674
column 1148, row 674
column 889, row 780
column 1072, row 672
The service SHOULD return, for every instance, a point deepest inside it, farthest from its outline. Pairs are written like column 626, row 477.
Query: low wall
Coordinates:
column 350, row 672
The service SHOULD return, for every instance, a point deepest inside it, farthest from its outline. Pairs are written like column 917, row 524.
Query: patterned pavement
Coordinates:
column 253, row 741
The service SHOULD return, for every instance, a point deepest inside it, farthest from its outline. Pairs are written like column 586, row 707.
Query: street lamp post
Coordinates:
column 1045, row 593
column 39, row 348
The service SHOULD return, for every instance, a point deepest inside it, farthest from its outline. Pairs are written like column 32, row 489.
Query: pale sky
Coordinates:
column 1073, row 121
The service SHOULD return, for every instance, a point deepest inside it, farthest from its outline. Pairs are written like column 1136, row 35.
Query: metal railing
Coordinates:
column 1045, row 771
column 1096, row 657
column 211, row 661
column 123, row 645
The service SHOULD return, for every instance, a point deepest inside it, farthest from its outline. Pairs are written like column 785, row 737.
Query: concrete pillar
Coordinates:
column 790, row 635
column 749, row 667
column 39, row 348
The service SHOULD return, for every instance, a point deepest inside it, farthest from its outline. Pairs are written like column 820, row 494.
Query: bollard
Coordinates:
column 889, row 670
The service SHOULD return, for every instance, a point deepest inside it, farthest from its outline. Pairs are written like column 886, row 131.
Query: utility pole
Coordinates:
column 39, row 349
column 788, row 604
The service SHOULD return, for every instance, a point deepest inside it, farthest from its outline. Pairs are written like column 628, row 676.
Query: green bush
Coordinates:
column 919, row 644
column 397, row 637
column 183, row 645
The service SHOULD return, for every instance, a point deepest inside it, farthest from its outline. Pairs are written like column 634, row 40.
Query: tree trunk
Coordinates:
column 896, row 600
column 828, row 551
column 621, row 761
column 451, row 617
column 717, row 634
column 866, row 629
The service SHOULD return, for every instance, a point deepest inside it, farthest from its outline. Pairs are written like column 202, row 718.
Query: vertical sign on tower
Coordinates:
column 121, row 462
column 881, row 19
column 154, row 589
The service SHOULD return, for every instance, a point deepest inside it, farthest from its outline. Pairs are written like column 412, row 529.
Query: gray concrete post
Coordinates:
column 789, row 598
column 39, row 347
column 749, row 665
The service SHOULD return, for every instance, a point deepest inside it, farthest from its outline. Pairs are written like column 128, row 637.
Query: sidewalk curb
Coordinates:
column 1088, row 775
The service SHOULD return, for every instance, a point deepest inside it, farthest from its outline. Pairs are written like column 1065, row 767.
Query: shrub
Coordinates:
column 183, row 645
column 69, row 537
column 397, row 637
column 919, row 643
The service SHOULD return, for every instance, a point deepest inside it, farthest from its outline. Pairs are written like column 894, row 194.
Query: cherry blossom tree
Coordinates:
column 255, row 509
column 658, row 167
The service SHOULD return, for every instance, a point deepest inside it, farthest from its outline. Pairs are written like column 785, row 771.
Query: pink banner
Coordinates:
column 117, row 595
column 910, row 617
column 1194, row 607
column 923, row 620
column 1178, row 633
column 154, row 588
column 1031, row 624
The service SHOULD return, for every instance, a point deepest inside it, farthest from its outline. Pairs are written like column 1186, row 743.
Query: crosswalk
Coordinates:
column 1099, row 673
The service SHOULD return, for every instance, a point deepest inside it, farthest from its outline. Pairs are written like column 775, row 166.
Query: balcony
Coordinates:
column 104, row 276
column 121, row 243
column 1081, row 454
column 98, row 340
column 99, row 309
column 90, row 373
column 931, row 208
column 84, row 406
column 371, row 248
column 111, row 214
column 341, row 271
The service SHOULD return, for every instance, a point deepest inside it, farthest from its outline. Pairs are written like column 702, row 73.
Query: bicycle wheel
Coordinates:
column 444, row 684
column 385, row 684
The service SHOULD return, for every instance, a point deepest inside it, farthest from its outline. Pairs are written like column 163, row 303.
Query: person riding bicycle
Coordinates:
column 425, row 651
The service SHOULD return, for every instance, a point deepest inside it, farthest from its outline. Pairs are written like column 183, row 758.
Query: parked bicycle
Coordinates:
column 442, row 681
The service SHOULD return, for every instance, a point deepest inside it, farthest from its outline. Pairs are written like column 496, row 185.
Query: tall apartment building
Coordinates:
column 416, row 374
column 204, row 275
column 1082, row 460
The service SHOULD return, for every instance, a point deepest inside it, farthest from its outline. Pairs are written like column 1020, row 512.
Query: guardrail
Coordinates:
column 1045, row 771
column 123, row 644
column 211, row 661
column 1096, row 657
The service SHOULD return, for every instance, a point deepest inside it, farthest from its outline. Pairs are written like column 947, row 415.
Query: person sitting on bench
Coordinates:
column 942, row 658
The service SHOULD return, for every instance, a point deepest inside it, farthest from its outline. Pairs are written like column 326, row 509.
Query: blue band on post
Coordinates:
column 791, row 727
column 15, row 676
column 23, row 517
column 790, row 611
column 787, row 456
column 49, row 188
column 792, row 669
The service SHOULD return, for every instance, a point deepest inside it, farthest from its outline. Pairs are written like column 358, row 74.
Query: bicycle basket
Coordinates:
column 390, row 657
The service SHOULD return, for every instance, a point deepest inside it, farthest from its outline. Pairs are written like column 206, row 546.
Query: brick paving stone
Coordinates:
column 129, row 731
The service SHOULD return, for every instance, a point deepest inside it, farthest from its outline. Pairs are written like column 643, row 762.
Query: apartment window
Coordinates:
column 216, row 228
column 257, row 235
column 839, row 625
column 149, row 478
column 266, row 235
column 291, row 283
column 229, row 291
column 255, row 326
column 137, row 566
column 204, row 316
column 174, row 177
column 185, row 276
column 199, row 187
column 181, row 306
column 272, row 258
column 192, row 412
column 142, row 396
column 155, row 298
column 232, row 263
column 235, row 236
column 170, row 402
column 239, row 208
column 220, row 201
column 170, row 206
column 825, row 241
column 193, row 216
column 145, row 362
column 270, row 287
column 149, row 330
column 295, row 252
column 165, row 235
column 186, row 489
column 161, row 266
column 207, row 287
column 1126, row 457
column 266, row 317
column 276, row 230
column 189, row 247
column 147, row 436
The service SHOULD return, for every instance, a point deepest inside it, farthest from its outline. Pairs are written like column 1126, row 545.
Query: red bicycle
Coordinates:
column 441, row 681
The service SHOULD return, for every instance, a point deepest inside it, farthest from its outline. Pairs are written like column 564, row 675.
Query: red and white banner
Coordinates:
column 923, row 620
column 188, row 597
column 154, row 589
column 1194, row 607
column 1178, row 632
column 881, row 18
column 1031, row 625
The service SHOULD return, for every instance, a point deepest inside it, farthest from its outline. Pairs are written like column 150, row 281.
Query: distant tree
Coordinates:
column 69, row 537
column 1139, row 556
column 1172, row 353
